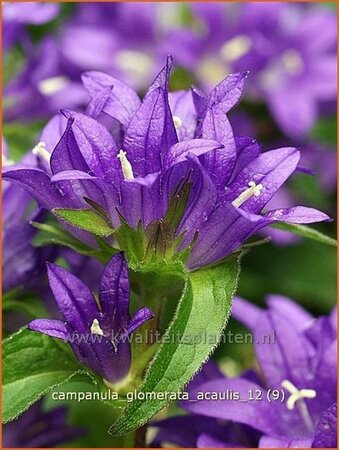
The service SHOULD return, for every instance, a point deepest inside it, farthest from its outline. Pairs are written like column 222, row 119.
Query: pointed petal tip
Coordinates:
column 169, row 60
column 54, row 270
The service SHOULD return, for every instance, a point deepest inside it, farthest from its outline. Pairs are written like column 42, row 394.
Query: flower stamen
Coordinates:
column 40, row 150
column 95, row 328
column 297, row 396
column 126, row 166
column 253, row 190
column 52, row 85
column 235, row 48
column 177, row 122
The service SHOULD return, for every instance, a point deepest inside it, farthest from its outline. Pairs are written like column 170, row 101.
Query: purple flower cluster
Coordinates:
column 300, row 362
column 293, row 72
column 173, row 159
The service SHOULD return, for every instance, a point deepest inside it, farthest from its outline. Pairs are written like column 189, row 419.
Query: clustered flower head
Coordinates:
column 299, row 359
column 178, row 173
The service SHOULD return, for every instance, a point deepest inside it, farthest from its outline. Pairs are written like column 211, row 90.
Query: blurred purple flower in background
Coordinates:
column 96, row 331
column 22, row 263
column 46, row 84
column 37, row 428
column 16, row 16
column 291, row 69
column 118, row 38
column 299, row 357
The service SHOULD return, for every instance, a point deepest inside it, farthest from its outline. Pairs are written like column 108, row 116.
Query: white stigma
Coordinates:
column 236, row 48
column 126, row 166
column 177, row 122
column 95, row 328
column 51, row 86
column 296, row 394
column 40, row 150
column 292, row 62
column 252, row 190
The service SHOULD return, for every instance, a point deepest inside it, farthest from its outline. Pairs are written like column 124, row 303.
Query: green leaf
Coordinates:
column 86, row 219
column 202, row 312
column 50, row 234
column 33, row 364
column 325, row 131
column 306, row 232
column 28, row 305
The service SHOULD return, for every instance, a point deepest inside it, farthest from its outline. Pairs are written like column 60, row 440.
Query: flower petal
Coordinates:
column 271, row 169
column 38, row 184
column 114, row 293
column 74, row 299
column 220, row 163
column 257, row 414
column 139, row 317
column 297, row 214
column 284, row 442
column 54, row 328
column 97, row 147
column 227, row 93
column 141, row 199
column 183, row 108
column 326, row 429
column 197, row 147
column 151, row 131
column 122, row 101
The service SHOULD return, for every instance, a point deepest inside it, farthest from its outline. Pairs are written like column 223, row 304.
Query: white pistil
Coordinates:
column 40, row 150
column 52, row 85
column 95, row 328
column 126, row 166
column 177, row 122
column 252, row 190
column 297, row 396
column 236, row 48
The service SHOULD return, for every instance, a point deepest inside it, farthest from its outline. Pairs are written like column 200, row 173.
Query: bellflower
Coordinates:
column 207, row 189
column 299, row 360
column 22, row 262
column 36, row 428
column 44, row 85
column 292, row 69
column 96, row 330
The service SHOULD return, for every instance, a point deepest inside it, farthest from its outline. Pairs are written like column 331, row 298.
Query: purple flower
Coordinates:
column 297, row 356
column 16, row 16
column 37, row 428
column 207, row 190
column 292, row 69
column 44, row 85
column 21, row 261
column 118, row 38
column 97, row 331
